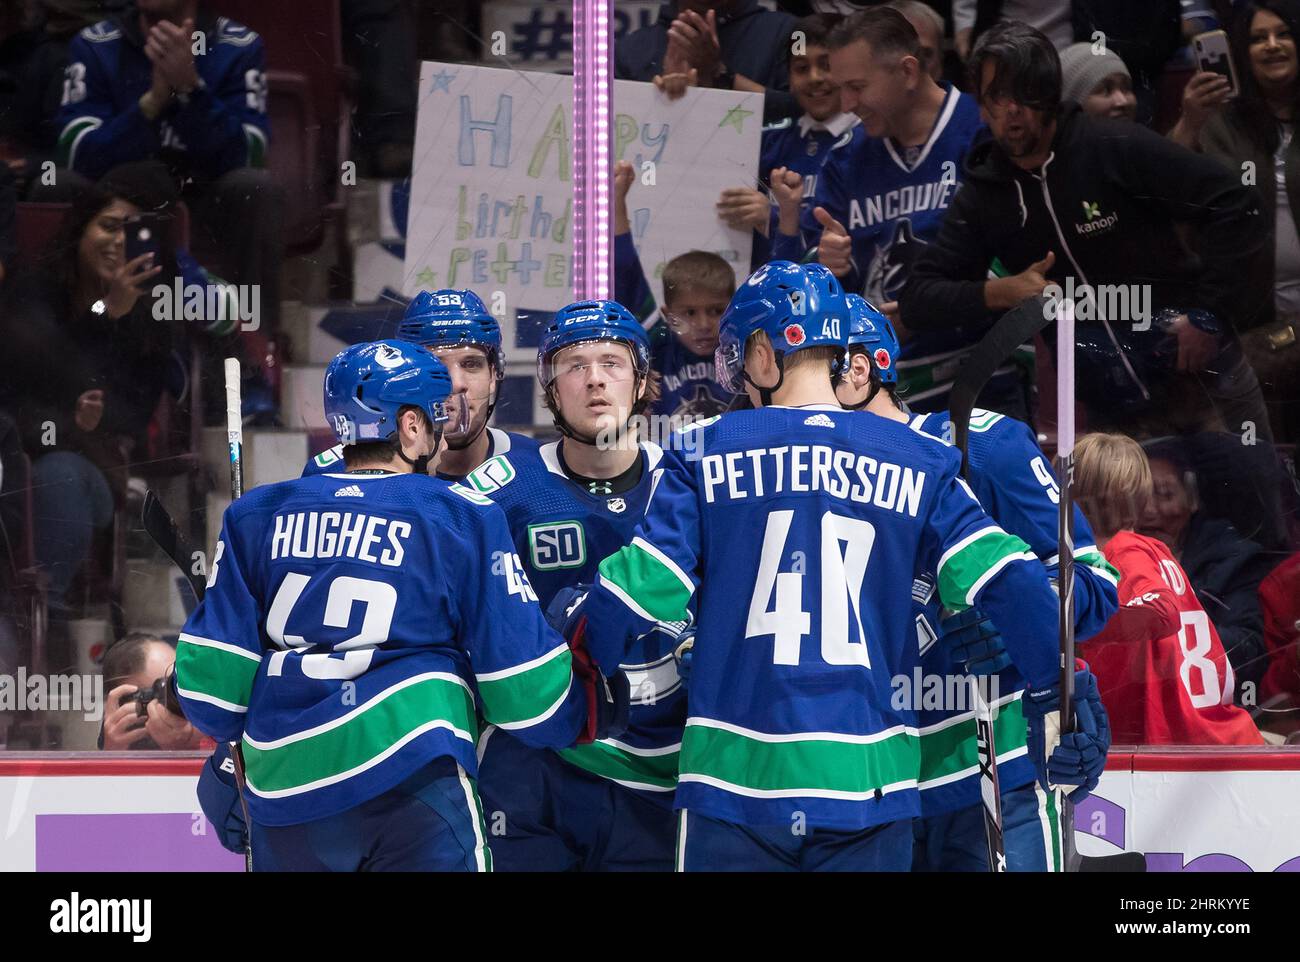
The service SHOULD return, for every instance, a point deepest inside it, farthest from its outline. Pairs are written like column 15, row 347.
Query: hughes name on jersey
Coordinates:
column 353, row 627
column 1011, row 477
column 562, row 531
column 801, row 531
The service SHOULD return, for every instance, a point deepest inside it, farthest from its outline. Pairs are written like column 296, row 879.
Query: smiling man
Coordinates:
column 881, row 196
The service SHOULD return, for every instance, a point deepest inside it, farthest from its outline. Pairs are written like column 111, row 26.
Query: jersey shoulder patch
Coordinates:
column 492, row 475
column 101, row 32
column 782, row 124
column 329, row 456
column 469, row 494
column 981, row 420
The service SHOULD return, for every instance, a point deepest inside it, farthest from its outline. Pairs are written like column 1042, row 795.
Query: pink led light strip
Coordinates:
column 592, row 163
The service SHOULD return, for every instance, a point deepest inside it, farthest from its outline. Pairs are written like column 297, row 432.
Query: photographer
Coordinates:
column 134, row 714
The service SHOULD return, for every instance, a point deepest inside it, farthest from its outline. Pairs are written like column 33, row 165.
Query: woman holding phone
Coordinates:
column 1252, row 133
column 83, row 367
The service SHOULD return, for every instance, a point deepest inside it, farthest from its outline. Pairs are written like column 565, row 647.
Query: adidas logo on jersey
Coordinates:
column 351, row 491
column 819, row 421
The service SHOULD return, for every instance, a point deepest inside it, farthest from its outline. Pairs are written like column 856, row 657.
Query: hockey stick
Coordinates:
column 235, row 437
column 1065, row 548
column 160, row 526
column 1013, row 329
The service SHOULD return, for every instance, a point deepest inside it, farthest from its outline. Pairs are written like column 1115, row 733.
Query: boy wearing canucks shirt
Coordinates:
column 356, row 624
column 1013, row 481
column 796, row 530
column 605, row 806
column 457, row 328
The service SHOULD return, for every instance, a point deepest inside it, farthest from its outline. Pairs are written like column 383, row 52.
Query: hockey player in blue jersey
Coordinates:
column 797, row 530
column 605, row 806
column 354, row 626
column 1013, row 481
column 457, row 328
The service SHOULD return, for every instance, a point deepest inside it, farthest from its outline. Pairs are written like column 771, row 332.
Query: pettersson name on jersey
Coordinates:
column 340, row 534
column 804, row 468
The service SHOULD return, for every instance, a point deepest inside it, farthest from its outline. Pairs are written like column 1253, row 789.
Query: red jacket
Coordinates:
column 1279, row 599
column 1160, row 667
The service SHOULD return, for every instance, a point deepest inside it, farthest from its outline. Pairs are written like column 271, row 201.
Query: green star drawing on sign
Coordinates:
column 736, row 117
column 425, row 277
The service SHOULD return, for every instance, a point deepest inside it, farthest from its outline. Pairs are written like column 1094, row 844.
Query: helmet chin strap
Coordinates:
column 420, row 465
column 765, row 393
column 871, row 396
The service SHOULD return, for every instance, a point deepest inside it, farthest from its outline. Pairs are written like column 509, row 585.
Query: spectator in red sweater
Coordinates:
column 1160, row 665
column 1279, row 599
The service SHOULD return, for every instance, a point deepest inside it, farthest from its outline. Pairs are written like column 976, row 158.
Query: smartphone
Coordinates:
column 1213, row 55
column 144, row 235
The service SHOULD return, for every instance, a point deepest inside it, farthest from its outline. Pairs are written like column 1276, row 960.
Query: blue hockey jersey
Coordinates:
column 562, row 531
column 353, row 627
column 499, row 442
column 223, row 125
column 688, row 387
column 1014, row 482
column 801, row 531
column 892, row 200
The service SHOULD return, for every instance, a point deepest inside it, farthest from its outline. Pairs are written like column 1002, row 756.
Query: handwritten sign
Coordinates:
column 491, row 197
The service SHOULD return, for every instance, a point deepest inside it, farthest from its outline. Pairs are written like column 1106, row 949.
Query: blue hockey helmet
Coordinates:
column 585, row 321
column 872, row 331
column 452, row 318
column 797, row 306
column 367, row 385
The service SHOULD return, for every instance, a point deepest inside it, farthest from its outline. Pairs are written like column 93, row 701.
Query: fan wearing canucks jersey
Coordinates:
column 355, row 625
column 796, row 530
column 457, row 328
column 795, row 146
column 881, row 197
column 606, row 806
column 1014, row 483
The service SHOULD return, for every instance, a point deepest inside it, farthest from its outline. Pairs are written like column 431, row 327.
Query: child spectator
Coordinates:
column 792, row 149
column 697, row 287
column 134, row 712
column 1223, row 567
column 1160, row 667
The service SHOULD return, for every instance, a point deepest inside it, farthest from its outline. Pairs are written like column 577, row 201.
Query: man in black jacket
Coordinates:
column 1076, row 207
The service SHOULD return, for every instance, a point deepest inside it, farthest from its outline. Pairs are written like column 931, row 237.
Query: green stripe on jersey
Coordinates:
column 954, row 749
column 68, row 138
column 1097, row 562
column 963, row 571
column 215, row 670
column 805, row 765
column 519, row 695
column 638, row 575
column 608, row 760
column 360, row 739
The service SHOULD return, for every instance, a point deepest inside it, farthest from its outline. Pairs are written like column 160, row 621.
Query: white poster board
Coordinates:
column 491, row 197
